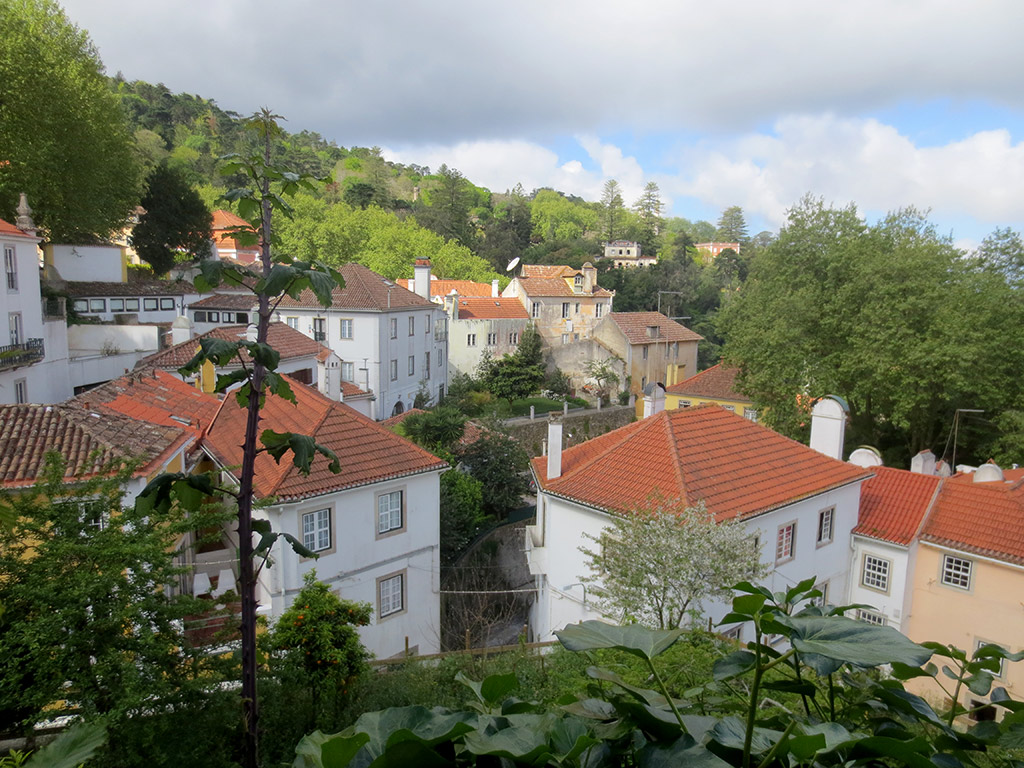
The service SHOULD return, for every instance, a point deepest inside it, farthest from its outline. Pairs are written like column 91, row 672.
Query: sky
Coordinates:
column 882, row 103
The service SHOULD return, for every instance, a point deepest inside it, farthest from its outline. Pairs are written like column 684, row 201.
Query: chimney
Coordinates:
column 554, row 449
column 181, row 329
column 589, row 277
column 24, row 221
column 421, row 278
column 494, row 289
column 923, row 463
column 251, row 332
column 828, row 426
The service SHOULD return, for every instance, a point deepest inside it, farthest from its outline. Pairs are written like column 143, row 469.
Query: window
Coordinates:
column 412, row 365
column 598, row 310
column 535, row 310
column 731, row 408
column 685, row 403
column 14, row 323
column 97, row 305
column 470, row 339
column 513, row 338
column 389, row 512
column 875, row 573
column 492, row 339
column 412, row 325
column 825, row 525
column 348, row 371
column 784, row 542
column 390, row 595
column 565, row 338
column 733, row 633
column 426, row 326
column 200, row 314
column 316, row 530
column 21, row 391
column 643, row 383
column 394, row 370
column 150, row 305
column 577, row 283
column 292, row 322
column 319, row 329
column 577, row 307
column 117, row 305
column 1001, row 671
column 750, row 414
column 823, row 600
column 242, row 318
column 440, row 355
column 80, row 305
column 956, row 572
column 565, row 309
column 346, row 327
column 11, row 268
column 645, row 353
column 131, row 305
column 870, row 617
column 426, row 365
column 394, row 327
column 166, row 303
column 214, row 317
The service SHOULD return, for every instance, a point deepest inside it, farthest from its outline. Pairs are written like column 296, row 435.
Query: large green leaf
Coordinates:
column 392, row 726
column 731, row 732
column 645, row 695
column 682, row 752
column 72, row 748
column 322, row 750
column 526, row 744
column 736, row 663
column 854, row 642
column 632, row 638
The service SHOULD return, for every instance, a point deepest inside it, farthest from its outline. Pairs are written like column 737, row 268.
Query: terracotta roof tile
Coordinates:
column 492, row 309
column 442, row 287
column 717, row 382
column 368, row 451
column 364, row 289
column 555, row 286
column 547, row 270
column 289, row 342
column 348, row 389
column 135, row 286
column 8, row 229
column 703, row 453
column 984, row 518
column 240, row 302
column 634, row 327
column 893, row 503
column 87, row 439
column 223, row 219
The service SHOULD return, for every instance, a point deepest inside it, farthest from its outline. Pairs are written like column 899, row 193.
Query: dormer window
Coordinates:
column 652, row 331
column 577, row 283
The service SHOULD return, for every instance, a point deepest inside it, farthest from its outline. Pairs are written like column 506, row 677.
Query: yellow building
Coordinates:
column 714, row 386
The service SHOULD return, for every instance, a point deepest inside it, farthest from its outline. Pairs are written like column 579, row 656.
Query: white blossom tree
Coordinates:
column 657, row 564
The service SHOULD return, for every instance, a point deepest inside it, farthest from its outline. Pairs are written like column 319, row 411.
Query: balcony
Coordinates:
column 17, row 355
column 319, row 335
column 53, row 309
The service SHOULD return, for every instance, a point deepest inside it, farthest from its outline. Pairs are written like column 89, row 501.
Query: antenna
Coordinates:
column 512, row 264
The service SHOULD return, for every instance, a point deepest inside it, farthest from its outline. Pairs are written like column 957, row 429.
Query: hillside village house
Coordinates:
column 715, row 386
column 390, row 341
column 221, row 308
column 627, row 253
column 225, row 244
column 708, row 252
column 375, row 525
column 799, row 505
column 34, row 353
column 564, row 303
column 482, row 326
column 652, row 347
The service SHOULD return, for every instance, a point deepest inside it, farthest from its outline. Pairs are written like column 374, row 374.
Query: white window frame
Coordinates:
column 345, row 327
column 348, row 371
column 826, row 526
column 412, row 325
column 412, row 365
column 875, row 572
column 470, row 339
column 20, row 391
column 394, row 327
column 598, row 310
column 871, row 617
column 390, row 512
column 978, row 643
column 426, row 365
column 394, row 370
column 17, row 333
column 785, row 542
column 513, row 338
column 492, row 339
column 11, row 268
column 565, row 309
column 316, row 530
column 391, row 595
column 535, row 309
column 292, row 322
column 957, row 572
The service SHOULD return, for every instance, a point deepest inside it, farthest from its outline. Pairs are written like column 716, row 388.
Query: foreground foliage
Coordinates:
column 847, row 711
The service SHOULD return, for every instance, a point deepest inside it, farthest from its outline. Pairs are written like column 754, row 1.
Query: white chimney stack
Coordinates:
column 251, row 332
column 828, row 426
column 421, row 278
column 181, row 330
column 554, row 449
column 494, row 289
column 923, row 463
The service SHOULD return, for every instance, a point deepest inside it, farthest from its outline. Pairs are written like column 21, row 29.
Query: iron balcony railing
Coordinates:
column 26, row 353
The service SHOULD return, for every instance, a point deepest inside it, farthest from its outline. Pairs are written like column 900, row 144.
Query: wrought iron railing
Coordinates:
column 26, row 353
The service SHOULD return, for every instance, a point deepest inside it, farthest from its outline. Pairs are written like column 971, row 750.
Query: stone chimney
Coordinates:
column 451, row 305
column 589, row 277
column 421, row 278
column 923, row 463
column 494, row 289
column 554, row 449
column 181, row 330
column 251, row 332
column 828, row 426
column 24, row 221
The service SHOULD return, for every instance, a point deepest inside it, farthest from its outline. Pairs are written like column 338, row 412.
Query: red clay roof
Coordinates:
column 364, row 289
column 717, row 382
column 157, row 397
column 6, row 228
column 241, row 302
column 223, row 219
column 492, row 309
column 87, row 439
column 547, row 270
column 136, row 286
column 634, row 327
column 289, row 342
column 555, row 286
column 735, row 466
column 983, row 518
column 893, row 503
column 441, row 287
column 368, row 451
column 348, row 389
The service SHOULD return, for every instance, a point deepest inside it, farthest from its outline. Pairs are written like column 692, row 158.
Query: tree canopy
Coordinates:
column 65, row 140
column 176, row 222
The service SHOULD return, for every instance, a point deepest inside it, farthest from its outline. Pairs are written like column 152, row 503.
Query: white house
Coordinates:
column 34, row 354
column 391, row 341
column 374, row 525
column 479, row 326
column 799, row 505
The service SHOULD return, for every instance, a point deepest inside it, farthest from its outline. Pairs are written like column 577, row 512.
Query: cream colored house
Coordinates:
column 653, row 347
column 565, row 304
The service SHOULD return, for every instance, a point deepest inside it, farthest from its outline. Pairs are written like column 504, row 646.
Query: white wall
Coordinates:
column 358, row 558
column 891, row 602
column 465, row 358
column 84, row 263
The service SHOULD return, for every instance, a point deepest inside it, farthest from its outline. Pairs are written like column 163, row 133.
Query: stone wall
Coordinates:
column 578, row 426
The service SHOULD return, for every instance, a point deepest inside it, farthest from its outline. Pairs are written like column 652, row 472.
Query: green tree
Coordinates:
column 436, row 429
column 556, row 217
column 500, row 465
column 648, row 209
column 65, row 140
column 176, row 223
column 602, row 372
column 516, row 375
column 1003, row 251
column 462, row 515
column 612, row 210
column 447, row 212
column 732, row 226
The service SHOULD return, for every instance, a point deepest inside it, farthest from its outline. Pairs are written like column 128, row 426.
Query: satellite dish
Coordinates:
column 512, row 264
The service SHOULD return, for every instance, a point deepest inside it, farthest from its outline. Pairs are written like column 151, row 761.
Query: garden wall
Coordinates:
column 578, row 426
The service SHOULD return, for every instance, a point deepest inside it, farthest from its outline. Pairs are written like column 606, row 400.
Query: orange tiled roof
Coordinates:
column 705, row 453
column 555, row 286
column 364, row 289
column 492, row 309
column 232, row 301
column 548, row 271
column 289, row 343
column 136, row 286
column 894, row 502
column 634, row 327
column 223, row 219
column 717, row 382
column 348, row 389
column 983, row 518
column 442, row 287
column 87, row 439
column 6, row 228
column 368, row 451
column 154, row 396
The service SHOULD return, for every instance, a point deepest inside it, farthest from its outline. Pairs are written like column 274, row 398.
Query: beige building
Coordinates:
column 565, row 304
column 653, row 347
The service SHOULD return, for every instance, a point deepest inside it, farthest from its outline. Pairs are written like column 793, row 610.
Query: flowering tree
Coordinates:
column 654, row 565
